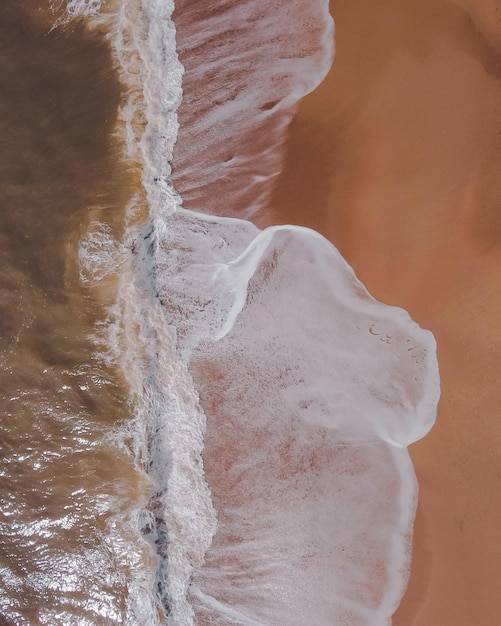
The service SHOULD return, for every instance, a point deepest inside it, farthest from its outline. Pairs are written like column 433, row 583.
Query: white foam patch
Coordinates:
column 166, row 434
column 169, row 426
column 145, row 51
column 295, row 291
column 99, row 254
column 312, row 390
column 92, row 10
column 83, row 7
column 246, row 66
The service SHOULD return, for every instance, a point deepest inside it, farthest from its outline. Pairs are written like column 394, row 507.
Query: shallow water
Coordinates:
column 66, row 541
column 205, row 422
column 312, row 390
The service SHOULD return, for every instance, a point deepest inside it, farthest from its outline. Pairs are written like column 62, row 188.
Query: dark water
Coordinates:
column 62, row 480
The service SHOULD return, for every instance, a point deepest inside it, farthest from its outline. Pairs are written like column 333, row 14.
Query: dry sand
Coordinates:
column 397, row 159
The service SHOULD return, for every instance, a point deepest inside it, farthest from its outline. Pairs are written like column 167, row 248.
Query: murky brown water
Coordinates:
column 63, row 482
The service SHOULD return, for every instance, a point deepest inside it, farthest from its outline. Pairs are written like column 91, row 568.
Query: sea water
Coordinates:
column 69, row 539
column 222, row 436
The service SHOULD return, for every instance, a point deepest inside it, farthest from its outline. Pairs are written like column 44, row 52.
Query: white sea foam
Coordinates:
column 211, row 278
column 246, row 66
column 166, row 434
column 84, row 8
column 89, row 9
column 99, row 254
column 312, row 390
column 180, row 520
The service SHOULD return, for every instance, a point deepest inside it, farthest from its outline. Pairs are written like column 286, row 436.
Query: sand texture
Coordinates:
column 396, row 159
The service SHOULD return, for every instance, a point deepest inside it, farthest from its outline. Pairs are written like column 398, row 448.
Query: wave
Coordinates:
column 246, row 64
column 166, row 433
column 312, row 389
column 274, row 397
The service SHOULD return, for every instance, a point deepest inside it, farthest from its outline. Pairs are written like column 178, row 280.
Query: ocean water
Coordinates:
column 203, row 422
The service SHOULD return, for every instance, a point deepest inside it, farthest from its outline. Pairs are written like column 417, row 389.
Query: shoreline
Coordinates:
column 394, row 157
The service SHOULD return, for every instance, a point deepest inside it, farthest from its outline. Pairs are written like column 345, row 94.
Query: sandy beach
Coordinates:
column 395, row 158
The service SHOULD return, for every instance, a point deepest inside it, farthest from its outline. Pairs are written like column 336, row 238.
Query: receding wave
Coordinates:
column 271, row 398
column 246, row 66
column 312, row 390
column 274, row 398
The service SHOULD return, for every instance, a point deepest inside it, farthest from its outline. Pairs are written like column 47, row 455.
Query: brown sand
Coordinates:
column 396, row 158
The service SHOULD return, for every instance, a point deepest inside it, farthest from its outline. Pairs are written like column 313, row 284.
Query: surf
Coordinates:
column 273, row 397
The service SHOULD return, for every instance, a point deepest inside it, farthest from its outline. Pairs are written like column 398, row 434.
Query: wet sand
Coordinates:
column 396, row 159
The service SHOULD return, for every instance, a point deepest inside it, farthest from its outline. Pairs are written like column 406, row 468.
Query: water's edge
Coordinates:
column 185, row 284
